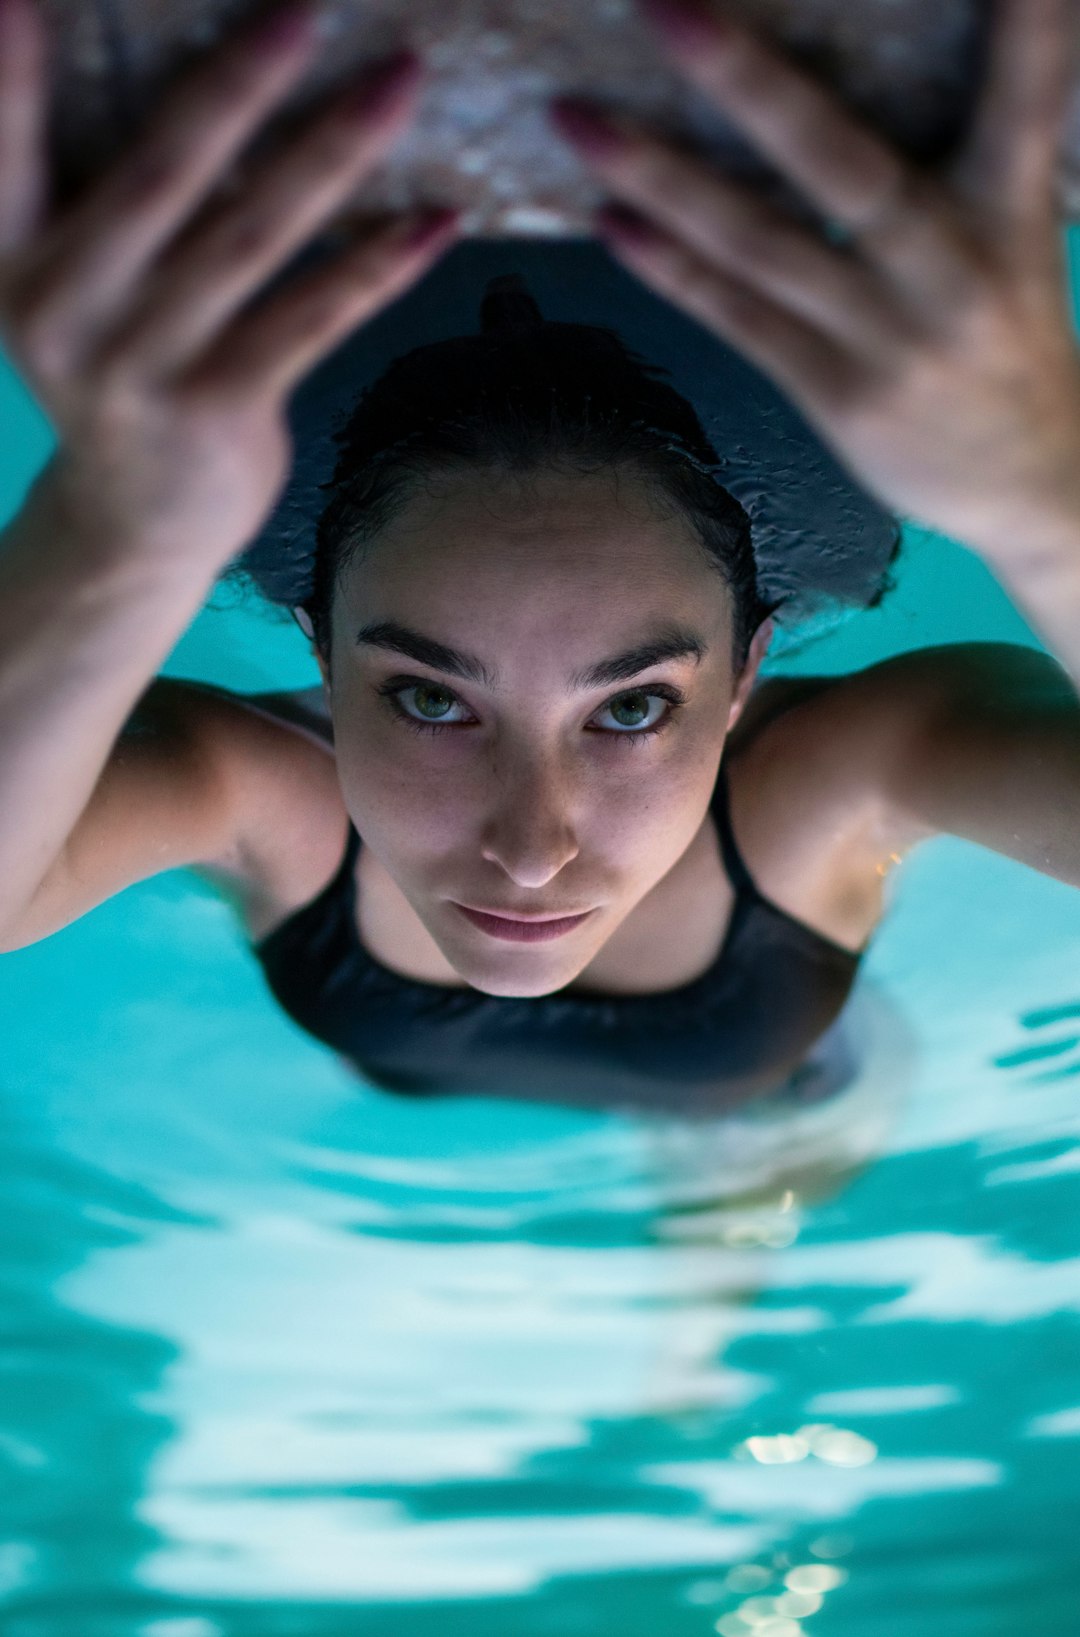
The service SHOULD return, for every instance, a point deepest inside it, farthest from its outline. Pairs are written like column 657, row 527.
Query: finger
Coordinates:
column 853, row 177
column 729, row 226
column 270, row 348
column 219, row 266
column 23, row 109
column 1009, row 160
column 810, row 367
column 96, row 252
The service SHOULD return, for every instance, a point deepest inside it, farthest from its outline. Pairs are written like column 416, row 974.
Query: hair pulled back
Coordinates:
column 525, row 395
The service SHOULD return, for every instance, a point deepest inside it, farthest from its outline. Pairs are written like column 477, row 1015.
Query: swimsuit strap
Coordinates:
column 340, row 885
column 738, row 874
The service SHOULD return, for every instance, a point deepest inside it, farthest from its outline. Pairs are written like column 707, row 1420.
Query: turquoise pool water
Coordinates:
column 281, row 1355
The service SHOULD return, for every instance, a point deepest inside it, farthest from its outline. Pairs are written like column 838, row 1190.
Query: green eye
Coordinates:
column 391, row 691
column 424, row 693
column 635, row 704
column 622, row 705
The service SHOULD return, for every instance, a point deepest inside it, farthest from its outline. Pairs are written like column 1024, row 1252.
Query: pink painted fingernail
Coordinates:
column 689, row 24
column 586, row 127
column 383, row 84
column 625, row 226
column 291, row 25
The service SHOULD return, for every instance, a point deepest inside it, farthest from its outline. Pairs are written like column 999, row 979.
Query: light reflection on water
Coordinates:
column 278, row 1348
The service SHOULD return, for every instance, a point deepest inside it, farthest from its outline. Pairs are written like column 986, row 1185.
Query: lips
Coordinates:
column 508, row 914
column 525, row 932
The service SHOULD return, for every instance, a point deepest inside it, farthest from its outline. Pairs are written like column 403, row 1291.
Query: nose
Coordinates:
column 529, row 831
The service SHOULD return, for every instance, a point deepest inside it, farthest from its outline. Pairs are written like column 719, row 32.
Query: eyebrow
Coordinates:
column 670, row 642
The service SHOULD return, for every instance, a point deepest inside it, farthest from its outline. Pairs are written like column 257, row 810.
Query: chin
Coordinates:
column 508, row 987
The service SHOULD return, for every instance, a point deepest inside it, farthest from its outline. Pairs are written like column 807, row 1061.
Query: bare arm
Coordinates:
column 130, row 318
column 1039, row 566
column 979, row 740
column 82, row 632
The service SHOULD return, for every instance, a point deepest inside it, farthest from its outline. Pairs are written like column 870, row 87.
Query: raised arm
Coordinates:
column 932, row 349
column 976, row 739
column 128, row 322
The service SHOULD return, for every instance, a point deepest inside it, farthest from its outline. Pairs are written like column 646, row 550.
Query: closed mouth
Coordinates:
column 509, row 915
column 537, row 929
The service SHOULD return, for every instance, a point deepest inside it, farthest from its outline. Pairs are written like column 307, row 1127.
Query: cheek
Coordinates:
column 397, row 806
column 413, row 798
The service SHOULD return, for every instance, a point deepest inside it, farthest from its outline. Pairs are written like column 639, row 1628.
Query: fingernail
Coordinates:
column 625, row 226
column 421, row 228
column 383, row 83
column 689, row 24
column 290, row 26
column 586, row 127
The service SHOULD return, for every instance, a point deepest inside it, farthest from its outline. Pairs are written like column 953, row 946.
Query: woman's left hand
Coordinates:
column 933, row 352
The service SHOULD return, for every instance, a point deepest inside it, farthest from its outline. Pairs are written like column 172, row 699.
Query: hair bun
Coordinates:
column 508, row 306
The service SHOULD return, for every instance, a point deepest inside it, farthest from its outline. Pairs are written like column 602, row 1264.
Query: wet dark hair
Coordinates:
column 525, row 395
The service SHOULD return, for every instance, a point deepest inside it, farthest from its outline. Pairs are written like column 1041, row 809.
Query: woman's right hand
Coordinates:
column 124, row 316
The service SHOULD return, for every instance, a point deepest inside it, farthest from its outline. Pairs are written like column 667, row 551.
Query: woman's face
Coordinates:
column 531, row 797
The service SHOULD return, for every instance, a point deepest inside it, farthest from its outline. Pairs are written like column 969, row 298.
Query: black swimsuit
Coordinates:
column 737, row 1030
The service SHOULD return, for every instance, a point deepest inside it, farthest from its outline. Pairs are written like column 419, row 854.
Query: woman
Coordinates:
column 933, row 353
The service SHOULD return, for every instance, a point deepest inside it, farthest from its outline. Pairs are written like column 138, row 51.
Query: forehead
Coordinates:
column 564, row 536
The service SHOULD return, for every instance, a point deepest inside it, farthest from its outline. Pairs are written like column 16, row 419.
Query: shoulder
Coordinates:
column 891, row 739
column 981, row 742
column 840, row 738
column 275, row 754
column 822, row 770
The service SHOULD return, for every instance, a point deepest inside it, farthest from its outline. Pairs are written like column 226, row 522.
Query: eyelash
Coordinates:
column 662, row 690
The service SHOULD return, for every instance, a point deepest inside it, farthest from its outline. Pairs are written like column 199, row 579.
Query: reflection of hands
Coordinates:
column 934, row 352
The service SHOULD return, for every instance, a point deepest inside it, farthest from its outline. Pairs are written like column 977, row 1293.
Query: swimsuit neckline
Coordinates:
column 735, row 872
